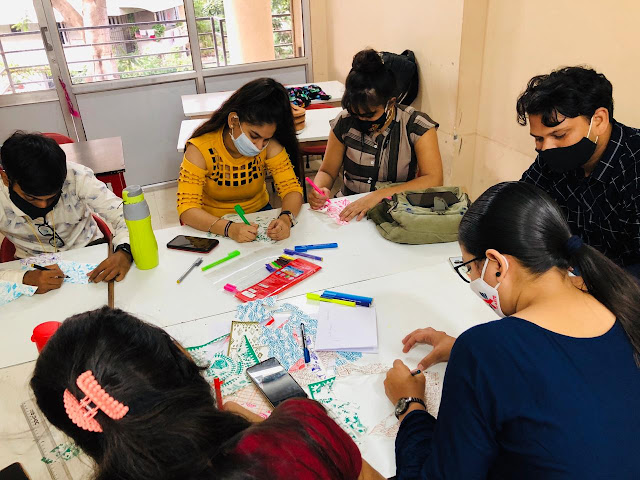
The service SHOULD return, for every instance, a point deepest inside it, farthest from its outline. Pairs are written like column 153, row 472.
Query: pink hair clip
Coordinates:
column 81, row 413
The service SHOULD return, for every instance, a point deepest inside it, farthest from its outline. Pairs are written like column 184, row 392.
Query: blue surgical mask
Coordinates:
column 244, row 145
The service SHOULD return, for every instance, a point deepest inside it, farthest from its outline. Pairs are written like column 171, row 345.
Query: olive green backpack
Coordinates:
column 399, row 221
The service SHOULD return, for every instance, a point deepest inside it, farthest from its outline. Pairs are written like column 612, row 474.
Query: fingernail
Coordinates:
column 420, row 367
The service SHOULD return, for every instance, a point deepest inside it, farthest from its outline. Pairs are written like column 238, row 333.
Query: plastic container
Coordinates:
column 43, row 332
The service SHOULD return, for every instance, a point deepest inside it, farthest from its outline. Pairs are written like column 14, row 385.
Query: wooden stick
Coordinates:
column 110, row 285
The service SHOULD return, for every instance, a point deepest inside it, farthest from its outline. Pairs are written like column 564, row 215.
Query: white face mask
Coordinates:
column 244, row 145
column 486, row 292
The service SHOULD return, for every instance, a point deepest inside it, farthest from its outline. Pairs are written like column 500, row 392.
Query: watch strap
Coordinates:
column 408, row 401
column 290, row 215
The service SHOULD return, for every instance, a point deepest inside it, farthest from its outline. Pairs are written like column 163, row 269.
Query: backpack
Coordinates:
column 405, row 69
column 399, row 221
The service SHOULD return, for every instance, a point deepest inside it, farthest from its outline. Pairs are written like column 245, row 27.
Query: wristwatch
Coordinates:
column 126, row 248
column 403, row 404
column 290, row 215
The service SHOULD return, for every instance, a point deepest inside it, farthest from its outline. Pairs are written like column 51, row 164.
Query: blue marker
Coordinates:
column 304, row 248
column 302, row 254
column 346, row 296
column 360, row 303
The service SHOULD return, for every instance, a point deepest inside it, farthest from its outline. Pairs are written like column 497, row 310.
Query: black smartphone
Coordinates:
column 426, row 199
column 193, row 244
column 274, row 381
column 13, row 472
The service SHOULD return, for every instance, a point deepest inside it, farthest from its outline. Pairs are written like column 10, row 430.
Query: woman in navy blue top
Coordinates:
column 553, row 390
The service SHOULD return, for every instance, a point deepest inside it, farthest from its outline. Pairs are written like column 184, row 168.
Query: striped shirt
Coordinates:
column 388, row 157
column 82, row 194
column 603, row 208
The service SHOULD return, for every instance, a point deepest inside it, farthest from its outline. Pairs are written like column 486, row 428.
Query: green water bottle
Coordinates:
column 137, row 216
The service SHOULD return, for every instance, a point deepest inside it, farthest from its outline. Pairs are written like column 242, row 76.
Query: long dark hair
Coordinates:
column 173, row 428
column 259, row 102
column 521, row 220
column 369, row 83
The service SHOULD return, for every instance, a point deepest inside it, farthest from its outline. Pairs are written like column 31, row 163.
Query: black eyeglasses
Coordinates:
column 45, row 230
column 463, row 269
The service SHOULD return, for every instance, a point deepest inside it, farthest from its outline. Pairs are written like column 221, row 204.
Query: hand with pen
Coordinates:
column 45, row 278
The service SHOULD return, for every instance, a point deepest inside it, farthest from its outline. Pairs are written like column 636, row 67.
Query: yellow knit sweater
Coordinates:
column 229, row 181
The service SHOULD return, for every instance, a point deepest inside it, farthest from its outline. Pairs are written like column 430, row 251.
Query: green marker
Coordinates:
column 235, row 253
column 240, row 213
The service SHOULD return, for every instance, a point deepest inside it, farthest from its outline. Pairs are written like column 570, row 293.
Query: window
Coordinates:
column 128, row 45
column 24, row 66
column 270, row 35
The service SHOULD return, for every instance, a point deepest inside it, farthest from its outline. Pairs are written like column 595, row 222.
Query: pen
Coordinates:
column 304, row 248
column 302, row 254
column 195, row 264
column 232, row 254
column 315, row 296
column 45, row 269
column 240, row 213
column 315, row 187
column 305, row 350
column 415, row 372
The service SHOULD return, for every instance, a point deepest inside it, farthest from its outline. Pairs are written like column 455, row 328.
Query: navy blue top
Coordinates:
column 520, row 401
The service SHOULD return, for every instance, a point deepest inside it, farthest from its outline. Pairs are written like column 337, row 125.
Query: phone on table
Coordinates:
column 193, row 244
column 274, row 381
column 426, row 199
column 13, row 472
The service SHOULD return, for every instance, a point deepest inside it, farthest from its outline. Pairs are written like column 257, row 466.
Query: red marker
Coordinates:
column 315, row 187
column 216, row 386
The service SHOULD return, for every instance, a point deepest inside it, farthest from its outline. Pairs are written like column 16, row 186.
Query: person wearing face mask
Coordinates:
column 46, row 206
column 228, row 157
column 376, row 140
column 550, row 391
column 587, row 161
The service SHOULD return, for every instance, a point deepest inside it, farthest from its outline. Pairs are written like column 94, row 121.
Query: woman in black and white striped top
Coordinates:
column 377, row 141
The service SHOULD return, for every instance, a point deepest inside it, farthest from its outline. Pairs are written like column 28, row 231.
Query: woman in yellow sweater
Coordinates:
column 228, row 156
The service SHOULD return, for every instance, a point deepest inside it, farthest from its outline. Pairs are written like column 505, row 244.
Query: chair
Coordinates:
column 8, row 249
column 59, row 138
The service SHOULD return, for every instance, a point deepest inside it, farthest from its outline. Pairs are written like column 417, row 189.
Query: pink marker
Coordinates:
column 315, row 187
column 230, row 288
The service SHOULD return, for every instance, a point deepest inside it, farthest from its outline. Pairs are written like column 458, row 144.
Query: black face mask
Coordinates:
column 565, row 159
column 30, row 209
column 366, row 126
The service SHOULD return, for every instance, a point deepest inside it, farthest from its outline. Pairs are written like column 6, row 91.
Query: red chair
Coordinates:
column 59, row 138
column 8, row 249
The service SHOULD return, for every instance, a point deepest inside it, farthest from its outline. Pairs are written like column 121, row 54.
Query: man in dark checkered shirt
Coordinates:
column 588, row 162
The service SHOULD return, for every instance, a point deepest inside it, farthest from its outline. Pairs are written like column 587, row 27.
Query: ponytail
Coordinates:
column 521, row 220
column 614, row 287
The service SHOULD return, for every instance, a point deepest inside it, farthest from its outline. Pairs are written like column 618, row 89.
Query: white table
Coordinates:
column 155, row 296
column 316, row 126
column 413, row 286
column 207, row 103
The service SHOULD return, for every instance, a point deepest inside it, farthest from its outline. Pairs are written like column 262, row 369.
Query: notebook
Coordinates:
column 347, row 329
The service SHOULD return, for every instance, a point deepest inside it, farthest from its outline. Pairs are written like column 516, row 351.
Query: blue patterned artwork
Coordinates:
column 9, row 291
column 76, row 271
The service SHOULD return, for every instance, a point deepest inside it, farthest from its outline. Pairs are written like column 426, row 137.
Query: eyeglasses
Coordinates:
column 463, row 270
column 46, row 231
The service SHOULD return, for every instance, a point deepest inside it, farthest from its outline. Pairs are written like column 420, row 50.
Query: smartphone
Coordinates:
column 13, row 472
column 426, row 199
column 274, row 381
column 193, row 244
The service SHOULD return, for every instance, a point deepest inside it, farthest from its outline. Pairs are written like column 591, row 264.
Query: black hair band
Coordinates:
column 226, row 228
column 574, row 244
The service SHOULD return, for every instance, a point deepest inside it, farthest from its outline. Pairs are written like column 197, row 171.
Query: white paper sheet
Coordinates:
column 350, row 329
